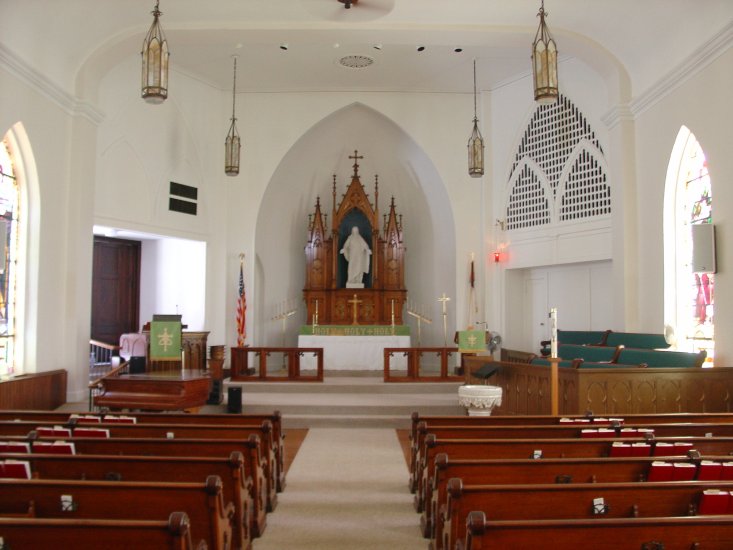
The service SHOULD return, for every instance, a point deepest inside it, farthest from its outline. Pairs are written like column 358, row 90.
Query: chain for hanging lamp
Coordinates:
column 475, row 142
column 232, row 145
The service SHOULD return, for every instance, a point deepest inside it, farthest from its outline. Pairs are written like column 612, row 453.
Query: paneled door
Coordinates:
column 115, row 288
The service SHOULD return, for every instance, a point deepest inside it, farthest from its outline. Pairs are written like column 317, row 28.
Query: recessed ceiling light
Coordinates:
column 421, row 48
column 284, row 46
column 377, row 46
column 336, row 45
column 458, row 49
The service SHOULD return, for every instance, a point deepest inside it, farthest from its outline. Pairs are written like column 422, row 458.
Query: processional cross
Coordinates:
column 354, row 302
column 445, row 299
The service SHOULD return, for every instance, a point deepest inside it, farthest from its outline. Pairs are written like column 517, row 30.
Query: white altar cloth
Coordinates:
column 353, row 352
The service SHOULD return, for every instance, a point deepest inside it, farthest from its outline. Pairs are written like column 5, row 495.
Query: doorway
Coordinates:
column 115, row 288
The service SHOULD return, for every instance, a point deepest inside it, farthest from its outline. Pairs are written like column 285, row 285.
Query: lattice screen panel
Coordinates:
column 550, row 138
column 586, row 192
column 528, row 205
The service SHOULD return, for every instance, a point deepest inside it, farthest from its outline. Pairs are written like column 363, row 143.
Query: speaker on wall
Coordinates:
column 703, row 248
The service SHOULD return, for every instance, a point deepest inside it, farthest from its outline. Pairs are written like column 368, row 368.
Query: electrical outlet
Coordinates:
column 67, row 503
column 599, row 506
column 170, row 435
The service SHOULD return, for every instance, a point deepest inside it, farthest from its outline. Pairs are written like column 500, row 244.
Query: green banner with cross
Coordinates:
column 165, row 340
column 471, row 341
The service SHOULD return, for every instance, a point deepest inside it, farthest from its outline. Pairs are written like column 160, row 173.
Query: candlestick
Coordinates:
column 315, row 317
column 553, row 333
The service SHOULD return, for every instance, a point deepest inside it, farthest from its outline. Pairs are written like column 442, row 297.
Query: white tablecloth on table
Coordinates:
column 353, row 352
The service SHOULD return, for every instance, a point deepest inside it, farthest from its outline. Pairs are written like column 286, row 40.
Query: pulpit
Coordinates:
column 330, row 299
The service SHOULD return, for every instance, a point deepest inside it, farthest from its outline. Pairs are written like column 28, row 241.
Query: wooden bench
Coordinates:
column 573, row 501
column 166, row 431
column 524, row 471
column 222, row 448
column 636, row 419
column 237, row 485
column 178, row 418
column 172, row 534
column 210, row 517
column 708, row 532
column 527, row 448
column 565, row 431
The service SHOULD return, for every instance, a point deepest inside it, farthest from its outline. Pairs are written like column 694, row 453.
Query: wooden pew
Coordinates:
column 172, row 534
column 165, row 431
column 209, row 516
column 524, row 471
column 525, row 448
column 564, row 431
column 237, row 485
column 636, row 419
column 678, row 533
column 566, row 501
column 178, row 418
column 222, row 448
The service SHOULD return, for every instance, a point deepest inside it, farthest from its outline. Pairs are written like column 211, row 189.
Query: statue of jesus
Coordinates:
column 356, row 251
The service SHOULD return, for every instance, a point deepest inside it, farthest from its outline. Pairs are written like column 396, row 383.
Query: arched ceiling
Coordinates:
column 647, row 38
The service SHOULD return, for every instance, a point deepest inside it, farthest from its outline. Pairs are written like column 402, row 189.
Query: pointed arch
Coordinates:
column 529, row 196
column 20, row 220
column 688, row 200
column 583, row 190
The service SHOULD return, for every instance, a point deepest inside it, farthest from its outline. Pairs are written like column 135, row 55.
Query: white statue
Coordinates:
column 356, row 251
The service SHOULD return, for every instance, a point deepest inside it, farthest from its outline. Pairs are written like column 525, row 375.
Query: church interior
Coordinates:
column 339, row 213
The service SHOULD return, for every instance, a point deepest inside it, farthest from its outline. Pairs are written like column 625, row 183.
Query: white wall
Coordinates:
column 173, row 280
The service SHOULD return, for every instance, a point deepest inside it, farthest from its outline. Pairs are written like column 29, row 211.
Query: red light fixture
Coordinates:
column 497, row 256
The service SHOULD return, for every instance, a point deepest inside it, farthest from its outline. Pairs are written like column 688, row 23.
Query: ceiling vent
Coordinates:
column 356, row 61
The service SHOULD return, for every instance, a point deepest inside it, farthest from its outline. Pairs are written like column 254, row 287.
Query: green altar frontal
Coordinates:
column 355, row 330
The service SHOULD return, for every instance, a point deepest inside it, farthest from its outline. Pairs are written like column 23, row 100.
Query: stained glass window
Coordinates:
column 695, row 291
column 9, row 207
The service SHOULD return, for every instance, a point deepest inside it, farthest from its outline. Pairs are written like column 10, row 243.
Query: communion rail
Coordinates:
column 421, row 365
column 277, row 364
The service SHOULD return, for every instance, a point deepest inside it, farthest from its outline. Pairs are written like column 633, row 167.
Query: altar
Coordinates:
column 350, row 352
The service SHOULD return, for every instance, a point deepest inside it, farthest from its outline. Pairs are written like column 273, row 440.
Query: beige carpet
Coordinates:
column 346, row 488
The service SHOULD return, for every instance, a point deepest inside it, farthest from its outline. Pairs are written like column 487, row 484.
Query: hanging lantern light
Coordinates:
column 475, row 142
column 155, row 62
column 233, row 144
column 544, row 62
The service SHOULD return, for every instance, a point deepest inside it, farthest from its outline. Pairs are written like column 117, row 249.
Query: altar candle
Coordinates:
column 315, row 322
column 553, row 332
column 392, row 312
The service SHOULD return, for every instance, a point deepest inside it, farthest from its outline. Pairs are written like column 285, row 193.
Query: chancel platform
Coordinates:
column 156, row 391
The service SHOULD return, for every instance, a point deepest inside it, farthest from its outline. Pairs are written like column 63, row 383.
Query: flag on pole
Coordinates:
column 241, row 306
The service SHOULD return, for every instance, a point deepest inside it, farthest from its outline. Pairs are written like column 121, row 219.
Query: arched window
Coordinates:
column 9, row 246
column 689, row 296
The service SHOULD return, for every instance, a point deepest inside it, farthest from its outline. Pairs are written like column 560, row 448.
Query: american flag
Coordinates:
column 241, row 308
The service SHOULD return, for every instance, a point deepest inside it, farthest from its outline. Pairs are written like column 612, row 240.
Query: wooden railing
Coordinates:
column 95, row 385
column 416, row 369
column 102, row 352
column 288, row 367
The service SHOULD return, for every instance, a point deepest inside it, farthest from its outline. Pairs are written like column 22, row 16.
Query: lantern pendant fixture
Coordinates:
column 155, row 62
column 232, row 145
column 544, row 62
column 475, row 142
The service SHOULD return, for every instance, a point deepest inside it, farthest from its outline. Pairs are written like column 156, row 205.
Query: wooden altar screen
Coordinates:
column 323, row 293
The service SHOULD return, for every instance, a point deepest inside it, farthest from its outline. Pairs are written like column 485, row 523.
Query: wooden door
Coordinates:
column 115, row 289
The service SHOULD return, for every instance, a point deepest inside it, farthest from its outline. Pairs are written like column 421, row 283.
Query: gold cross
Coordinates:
column 356, row 158
column 355, row 302
column 472, row 339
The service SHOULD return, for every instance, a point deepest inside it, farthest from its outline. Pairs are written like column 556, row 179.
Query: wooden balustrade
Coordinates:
column 290, row 368
column 416, row 370
column 102, row 352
